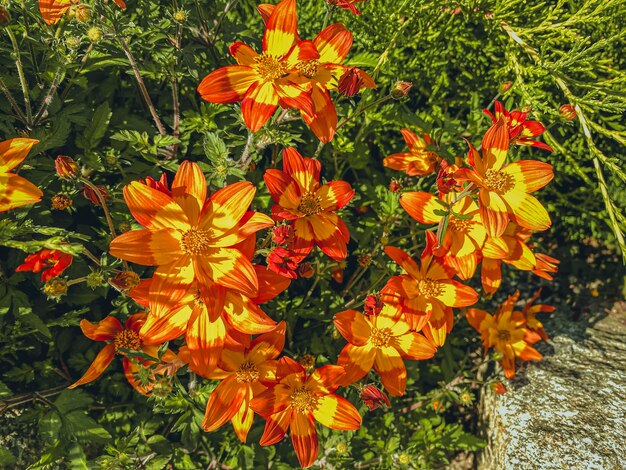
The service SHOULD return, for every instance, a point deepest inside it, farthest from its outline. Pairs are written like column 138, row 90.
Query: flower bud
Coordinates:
column 123, row 227
column 350, row 82
column 4, row 17
column 400, row 89
column 90, row 194
column 499, row 388
column 55, row 288
column 307, row 361
column 72, row 42
column 404, row 459
column 506, row 86
column 364, row 260
column 125, row 281
column 95, row 279
column 180, row 16
column 567, row 112
column 94, row 34
column 82, row 13
column 306, row 270
column 373, row 398
column 342, row 448
column 60, row 202
column 66, row 167
column 337, row 274
column 395, row 186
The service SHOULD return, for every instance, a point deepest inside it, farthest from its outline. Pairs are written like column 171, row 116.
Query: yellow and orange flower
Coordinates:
column 120, row 337
column 506, row 333
column 380, row 342
column 464, row 236
column 418, row 161
column 309, row 206
column 243, row 369
column 192, row 239
column 535, row 332
column 521, row 131
column 427, row 292
column 16, row 191
column 504, row 189
column 262, row 81
column 512, row 248
column 297, row 400
column 205, row 328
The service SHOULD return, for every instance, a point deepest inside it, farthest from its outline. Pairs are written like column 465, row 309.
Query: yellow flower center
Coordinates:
column 247, row 373
column 269, row 67
column 310, row 204
column 308, row 68
column 380, row 337
column 196, row 241
column 429, row 288
column 498, row 181
column 504, row 335
column 302, row 400
column 459, row 225
column 127, row 339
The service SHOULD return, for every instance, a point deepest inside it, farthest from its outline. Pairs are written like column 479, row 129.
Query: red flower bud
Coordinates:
column 350, row 82
column 90, row 194
column 567, row 111
column 395, row 186
column 373, row 304
column 373, row 398
column 66, row 167
column 306, row 270
column 282, row 234
column 499, row 388
column 401, row 89
column 506, row 86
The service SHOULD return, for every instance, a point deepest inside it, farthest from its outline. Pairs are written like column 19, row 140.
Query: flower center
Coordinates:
column 429, row 288
column 195, row 241
column 308, row 68
column 127, row 339
column 247, row 373
column 310, row 204
column 380, row 338
column 459, row 225
column 269, row 67
column 302, row 400
column 498, row 181
column 504, row 335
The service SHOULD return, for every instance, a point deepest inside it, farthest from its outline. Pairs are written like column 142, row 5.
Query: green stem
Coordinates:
column 22, row 76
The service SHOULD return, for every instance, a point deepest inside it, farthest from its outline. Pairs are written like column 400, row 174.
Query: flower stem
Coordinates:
column 22, row 76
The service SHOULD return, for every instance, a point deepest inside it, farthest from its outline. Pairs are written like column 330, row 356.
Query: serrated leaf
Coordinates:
column 92, row 136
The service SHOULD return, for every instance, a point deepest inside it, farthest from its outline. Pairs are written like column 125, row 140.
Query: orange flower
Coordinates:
column 261, row 81
column 535, row 331
column 242, row 370
column 426, row 292
column 15, row 191
column 521, row 131
column 379, row 342
column 52, row 263
column 464, row 236
column 309, row 206
column 512, row 248
column 505, row 332
column 418, row 161
column 297, row 400
column 504, row 190
column 192, row 239
column 53, row 10
column 110, row 330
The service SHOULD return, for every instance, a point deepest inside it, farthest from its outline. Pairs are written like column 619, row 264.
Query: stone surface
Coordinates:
column 569, row 410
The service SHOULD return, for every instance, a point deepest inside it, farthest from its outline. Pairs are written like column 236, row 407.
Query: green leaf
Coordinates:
column 6, row 457
column 94, row 133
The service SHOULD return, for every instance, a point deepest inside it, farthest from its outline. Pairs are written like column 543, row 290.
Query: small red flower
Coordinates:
column 51, row 262
column 337, row 274
column 373, row 398
column 373, row 304
column 306, row 270
column 568, row 112
column 351, row 82
column 283, row 262
column 446, row 183
column 395, row 186
column 521, row 130
column 282, row 234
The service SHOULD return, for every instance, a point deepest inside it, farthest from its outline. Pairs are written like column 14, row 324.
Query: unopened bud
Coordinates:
column 94, row 34
column 404, row 459
column 82, row 13
column 364, row 260
column 567, row 112
column 90, row 194
column 306, row 270
column 55, row 288
column 342, row 448
column 180, row 16
column 66, row 167
column 400, row 89
column 4, row 17
column 499, row 388
column 506, row 86
column 125, row 281
column 72, row 42
column 395, row 186
column 95, row 279
column 307, row 361
column 123, row 227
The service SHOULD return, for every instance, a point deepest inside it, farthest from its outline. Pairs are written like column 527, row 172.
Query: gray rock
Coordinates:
column 569, row 410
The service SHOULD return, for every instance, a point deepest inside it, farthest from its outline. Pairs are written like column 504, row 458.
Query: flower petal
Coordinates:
column 414, row 346
column 304, row 438
column 154, row 209
column 16, row 191
column 147, row 247
column 227, row 84
column 259, row 104
column 189, row 190
column 353, row 326
column 276, row 427
column 281, row 29
column 97, row 367
column 335, row 195
column 223, row 403
column 392, row 371
column 421, row 206
column 104, row 330
column 337, row 413
column 333, row 43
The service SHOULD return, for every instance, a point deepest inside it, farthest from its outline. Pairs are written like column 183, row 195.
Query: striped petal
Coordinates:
column 333, row 43
column 328, row 236
column 276, row 427
column 227, row 207
column 325, row 379
column 171, row 284
column 98, row 366
column 104, row 330
column 271, row 284
column 271, row 401
column 16, row 191
column 13, row 152
column 259, row 104
column 392, row 371
column 306, row 171
column 493, row 212
column 189, row 190
column 154, row 209
column 528, row 211
column 227, row 84
column 242, row 421
column 353, row 326
column 455, row 294
column 281, row 29
column 148, row 248
column 529, row 175
column 223, row 403
column 229, row 268
column 337, row 413
column 304, row 438
column 53, row 10
column 303, row 237
column 335, row 195
column 357, row 361
column 268, row 345
column 404, row 261
column 414, row 346
column 421, row 206
column 283, row 188
column 205, row 340
column 491, row 275
column 251, row 223
column 160, row 328
column 495, row 145
column 243, row 54
column 245, row 316
column 323, row 120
